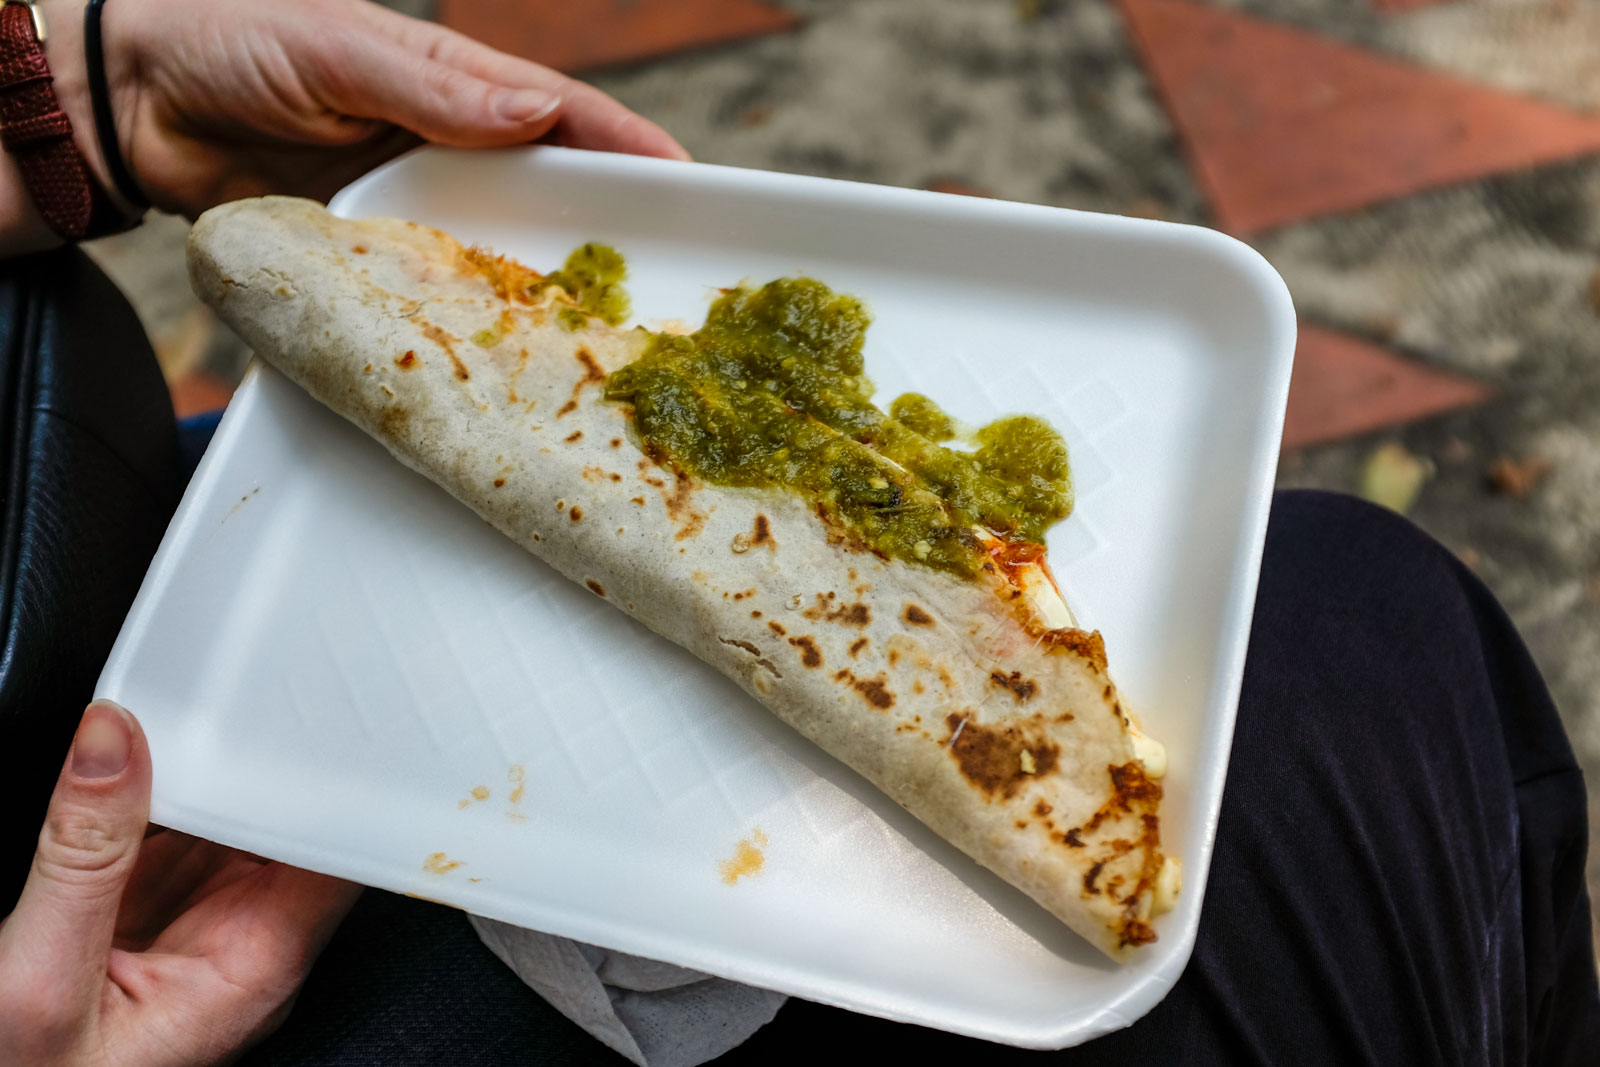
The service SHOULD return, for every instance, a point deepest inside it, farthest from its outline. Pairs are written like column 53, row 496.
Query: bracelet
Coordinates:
column 100, row 97
column 37, row 134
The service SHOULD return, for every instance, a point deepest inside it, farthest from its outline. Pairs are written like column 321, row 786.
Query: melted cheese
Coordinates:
column 1169, row 883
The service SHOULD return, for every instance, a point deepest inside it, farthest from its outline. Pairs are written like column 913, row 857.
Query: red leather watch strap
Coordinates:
column 38, row 134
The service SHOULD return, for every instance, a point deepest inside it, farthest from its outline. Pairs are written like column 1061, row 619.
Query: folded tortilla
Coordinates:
column 975, row 704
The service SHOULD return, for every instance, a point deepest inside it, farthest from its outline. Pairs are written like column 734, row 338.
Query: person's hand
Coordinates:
column 220, row 99
column 127, row 949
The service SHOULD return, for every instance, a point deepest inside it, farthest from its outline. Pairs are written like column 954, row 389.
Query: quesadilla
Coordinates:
column 735, row 490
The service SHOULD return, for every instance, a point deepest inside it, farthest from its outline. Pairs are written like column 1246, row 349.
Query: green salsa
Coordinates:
column 771, row 392
column 916, row 412
column 593, row 276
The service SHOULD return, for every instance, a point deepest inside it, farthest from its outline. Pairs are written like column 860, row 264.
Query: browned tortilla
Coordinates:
column 1005, row 737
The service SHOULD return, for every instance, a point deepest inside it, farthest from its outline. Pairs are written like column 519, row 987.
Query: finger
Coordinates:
column 286, row 916
column 595, row 121
column 377, row 79
column 63, row 923
column 589, row 118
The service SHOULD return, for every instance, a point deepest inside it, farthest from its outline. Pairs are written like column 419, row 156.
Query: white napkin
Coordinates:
column 656, row 1014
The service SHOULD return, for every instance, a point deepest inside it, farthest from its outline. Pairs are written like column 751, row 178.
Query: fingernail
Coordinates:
column 104, row 742
column 527, row 105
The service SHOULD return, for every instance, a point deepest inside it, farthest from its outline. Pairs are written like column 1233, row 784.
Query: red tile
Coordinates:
column 1284, row 125
column 1343, row 386
column 573, row 36
column 194, row 394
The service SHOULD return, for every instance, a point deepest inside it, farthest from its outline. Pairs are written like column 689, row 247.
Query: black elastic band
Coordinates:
column 100, row 96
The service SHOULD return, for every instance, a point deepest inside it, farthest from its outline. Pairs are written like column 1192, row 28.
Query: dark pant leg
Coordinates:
column 1399, row 867
column 408, row 982
column 89, row 475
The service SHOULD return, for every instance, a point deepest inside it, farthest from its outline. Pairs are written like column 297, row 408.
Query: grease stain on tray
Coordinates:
column 479, row 794
column 516, row 776
column 231, row 512
column 439, row 863
column 242, row 501
column 748, row 859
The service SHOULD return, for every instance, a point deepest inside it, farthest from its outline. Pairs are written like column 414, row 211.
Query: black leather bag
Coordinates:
column 89, row 476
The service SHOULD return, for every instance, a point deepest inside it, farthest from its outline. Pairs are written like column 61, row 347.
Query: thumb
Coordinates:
column 64, row 921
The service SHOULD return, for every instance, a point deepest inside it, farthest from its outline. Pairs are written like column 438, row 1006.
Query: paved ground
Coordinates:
column 1478, row 257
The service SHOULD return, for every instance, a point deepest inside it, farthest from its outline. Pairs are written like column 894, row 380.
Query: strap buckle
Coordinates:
column 36, row 11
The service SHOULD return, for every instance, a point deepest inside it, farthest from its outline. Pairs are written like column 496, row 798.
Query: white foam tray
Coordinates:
column 329, row 654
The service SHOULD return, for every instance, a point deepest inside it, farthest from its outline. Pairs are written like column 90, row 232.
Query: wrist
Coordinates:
column 65, row 52
column 24, row 226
